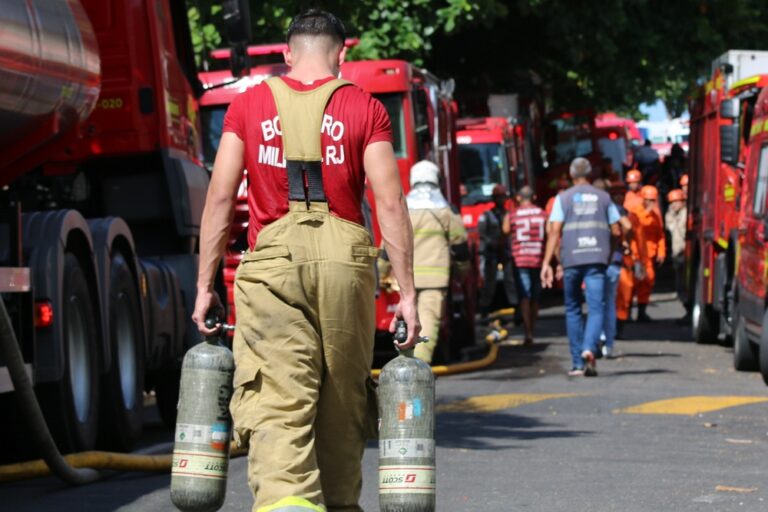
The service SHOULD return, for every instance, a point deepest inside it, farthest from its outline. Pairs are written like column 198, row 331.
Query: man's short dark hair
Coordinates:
column 315, row 22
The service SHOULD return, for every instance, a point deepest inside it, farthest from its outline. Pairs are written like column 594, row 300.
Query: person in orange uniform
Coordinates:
column 632, row 198
column 649, row 248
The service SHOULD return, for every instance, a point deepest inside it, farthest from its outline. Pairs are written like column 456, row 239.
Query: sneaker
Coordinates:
column 576, row 372
column 590, row 368
column 607, row 352
column 599, row 353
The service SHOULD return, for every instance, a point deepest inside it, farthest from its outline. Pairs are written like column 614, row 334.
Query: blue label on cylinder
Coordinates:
column 417, row 407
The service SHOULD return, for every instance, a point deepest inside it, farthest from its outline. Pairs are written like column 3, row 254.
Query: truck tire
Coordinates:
column 704, row 319
column 123, row 403
column 72, row 404
column 744, row 353
column 763, row 349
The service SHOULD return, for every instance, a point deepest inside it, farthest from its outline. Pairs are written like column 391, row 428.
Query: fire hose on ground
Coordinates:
column 87, row 467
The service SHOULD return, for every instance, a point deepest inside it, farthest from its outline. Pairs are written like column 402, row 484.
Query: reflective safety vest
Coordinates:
column 586, row 236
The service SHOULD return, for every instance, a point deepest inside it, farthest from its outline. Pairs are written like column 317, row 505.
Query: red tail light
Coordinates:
column 43, row 314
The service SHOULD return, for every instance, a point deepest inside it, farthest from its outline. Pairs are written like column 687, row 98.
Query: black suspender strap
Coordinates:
column 305, row 181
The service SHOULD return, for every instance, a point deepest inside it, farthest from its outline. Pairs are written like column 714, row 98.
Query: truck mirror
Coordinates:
column 237, row 21
column 729, row 109
column 729, row 143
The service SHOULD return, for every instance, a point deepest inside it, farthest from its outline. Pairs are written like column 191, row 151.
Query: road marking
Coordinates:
column 491, row 403
column 730, row 488
column 691, row 405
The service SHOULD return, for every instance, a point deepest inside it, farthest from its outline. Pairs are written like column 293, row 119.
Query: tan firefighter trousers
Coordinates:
column 429, row 304
column 303, row 352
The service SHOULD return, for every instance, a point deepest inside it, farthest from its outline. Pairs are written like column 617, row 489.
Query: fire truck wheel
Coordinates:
column 705, row 319
column 744, row 353
column 763, row 350
column 167, row 394
column 123, row 404
column 72, row 404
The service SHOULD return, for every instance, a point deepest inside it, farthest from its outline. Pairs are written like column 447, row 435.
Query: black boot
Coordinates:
column 619, row 330
column 642, row 316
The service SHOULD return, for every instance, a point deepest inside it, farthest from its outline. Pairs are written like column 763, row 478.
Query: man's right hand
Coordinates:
column 547, row 276
column 406, row 311
column 206, row 301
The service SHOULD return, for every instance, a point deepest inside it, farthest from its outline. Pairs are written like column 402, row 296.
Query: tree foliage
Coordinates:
column 606, row 54
column 203, row 20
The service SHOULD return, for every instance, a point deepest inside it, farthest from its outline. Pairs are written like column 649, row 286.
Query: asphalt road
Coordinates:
column 667, row 426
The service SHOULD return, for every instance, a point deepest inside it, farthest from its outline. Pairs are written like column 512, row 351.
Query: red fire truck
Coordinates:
column 492, row 150
column 423, row 124
column 423, row 114
column 567, row 135
column 101, row 192
column 750, row 292
column 723, row 106
column 617, row 137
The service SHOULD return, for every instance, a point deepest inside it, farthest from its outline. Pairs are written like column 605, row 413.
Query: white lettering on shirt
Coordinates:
column 270, row 155
column 334, row 129
column 270, row 128
column 334, row 155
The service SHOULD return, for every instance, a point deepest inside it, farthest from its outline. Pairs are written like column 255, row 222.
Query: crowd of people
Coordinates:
column 602, row 241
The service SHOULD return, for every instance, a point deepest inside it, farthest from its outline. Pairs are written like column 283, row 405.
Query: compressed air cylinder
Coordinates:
column 406, row 435
column 203, row 429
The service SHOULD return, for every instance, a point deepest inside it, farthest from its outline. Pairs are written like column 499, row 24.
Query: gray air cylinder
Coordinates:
column 406, row 434
column 203, row 428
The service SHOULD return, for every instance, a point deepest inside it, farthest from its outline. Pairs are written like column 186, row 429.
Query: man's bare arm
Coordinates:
column 553, row 241
column 217, row 218
column 396, row 230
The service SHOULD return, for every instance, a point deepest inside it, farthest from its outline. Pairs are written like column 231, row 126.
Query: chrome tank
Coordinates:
column 49, row 69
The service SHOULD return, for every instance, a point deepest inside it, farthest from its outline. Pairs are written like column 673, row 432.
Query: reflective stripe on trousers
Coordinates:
column 292, row 504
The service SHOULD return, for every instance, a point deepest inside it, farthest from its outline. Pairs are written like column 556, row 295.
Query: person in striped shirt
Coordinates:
column 526, row 227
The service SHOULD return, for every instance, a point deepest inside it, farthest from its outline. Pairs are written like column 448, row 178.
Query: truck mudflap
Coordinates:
column 163, row 312
column 189, row 181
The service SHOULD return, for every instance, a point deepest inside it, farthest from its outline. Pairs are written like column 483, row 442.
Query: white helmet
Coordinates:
column 425, row 172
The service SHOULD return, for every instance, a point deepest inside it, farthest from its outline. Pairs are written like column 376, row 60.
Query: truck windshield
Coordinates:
column 482, row 166
column 615, row 150
column 212, row 119
column 567, row 138
column 393, row 102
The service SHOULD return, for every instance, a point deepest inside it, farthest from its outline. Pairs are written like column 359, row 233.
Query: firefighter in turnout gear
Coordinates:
column 439, row 237
column 305, row 288
column 495, row 252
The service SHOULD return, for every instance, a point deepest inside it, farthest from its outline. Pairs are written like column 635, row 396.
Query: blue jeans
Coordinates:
column 528, row 281
column 582, row 336
column 612, row 274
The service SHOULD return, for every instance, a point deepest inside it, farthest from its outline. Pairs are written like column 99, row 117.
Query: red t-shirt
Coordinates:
column 353, row 119
column 527, row 223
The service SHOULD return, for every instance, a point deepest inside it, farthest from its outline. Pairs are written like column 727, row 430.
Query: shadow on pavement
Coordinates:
column 621, row 373
column 647, row 355
column 485, row 431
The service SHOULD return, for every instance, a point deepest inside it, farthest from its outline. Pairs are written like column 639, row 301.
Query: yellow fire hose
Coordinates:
column 98, row 460
column 468, row 366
